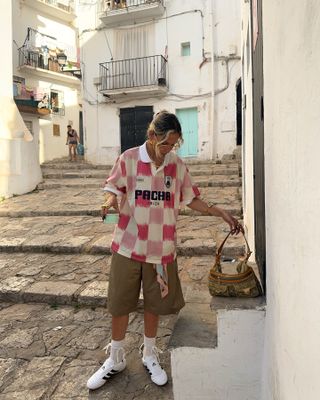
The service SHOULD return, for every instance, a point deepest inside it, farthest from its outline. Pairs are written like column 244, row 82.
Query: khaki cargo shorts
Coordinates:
column 126, row 276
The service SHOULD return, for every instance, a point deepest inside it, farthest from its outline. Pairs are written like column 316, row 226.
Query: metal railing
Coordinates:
column 133, row 72
column 64, row 5
column 37, row 59
column 112, row 5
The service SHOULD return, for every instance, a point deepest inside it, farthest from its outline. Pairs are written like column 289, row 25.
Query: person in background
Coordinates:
column 72, row 141
column 152, row 183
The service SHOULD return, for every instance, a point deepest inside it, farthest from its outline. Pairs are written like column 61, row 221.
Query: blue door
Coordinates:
column 188, row 118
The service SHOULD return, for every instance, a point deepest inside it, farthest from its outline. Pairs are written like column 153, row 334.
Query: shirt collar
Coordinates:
column 144, row 156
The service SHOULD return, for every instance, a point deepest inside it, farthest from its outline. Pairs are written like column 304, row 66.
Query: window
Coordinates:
column 57, row 102
column 185, row 49
column 56, row 130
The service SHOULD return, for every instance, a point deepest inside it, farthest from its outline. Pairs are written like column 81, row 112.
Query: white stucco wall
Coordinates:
column 292, row 142
column 24, row 16
column 186, row 77
column 226, row 43
column 232, row 371
column 19, row 166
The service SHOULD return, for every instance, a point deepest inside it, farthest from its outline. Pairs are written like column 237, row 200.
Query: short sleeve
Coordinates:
column 117, row 180
column 188, row 189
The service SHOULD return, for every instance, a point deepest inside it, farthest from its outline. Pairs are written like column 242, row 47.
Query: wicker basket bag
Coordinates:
column 243, row 284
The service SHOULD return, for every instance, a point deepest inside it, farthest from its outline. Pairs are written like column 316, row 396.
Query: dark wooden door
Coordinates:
column 258, row 138
column 134, row 122
column 81, row 127
column 239, row 112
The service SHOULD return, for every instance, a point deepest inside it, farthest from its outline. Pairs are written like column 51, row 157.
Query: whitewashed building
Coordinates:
column 19, row 160
column 271, row 352
column 46, row 71
column 139, row 57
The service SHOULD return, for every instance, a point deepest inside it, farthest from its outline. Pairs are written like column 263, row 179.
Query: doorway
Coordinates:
column 134, row 122
column 258, row 139
column 81, row 127
column 188, row 118
column 239, row 112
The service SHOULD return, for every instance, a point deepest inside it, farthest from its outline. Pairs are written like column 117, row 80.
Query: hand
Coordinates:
column 110, row 201
column 234, row 224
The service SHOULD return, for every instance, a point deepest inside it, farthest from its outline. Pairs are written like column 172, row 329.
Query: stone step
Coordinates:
column 82, row 278
column 233, row 209
column 201, row 181
column 64, row 163
column 75, row 201
column 102, row 174
column 197, row 236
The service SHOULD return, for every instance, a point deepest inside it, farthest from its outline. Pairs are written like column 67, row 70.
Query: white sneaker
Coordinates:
column 107, row 370
column 152, row 363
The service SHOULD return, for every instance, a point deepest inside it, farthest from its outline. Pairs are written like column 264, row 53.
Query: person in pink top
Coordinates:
column 152, row 183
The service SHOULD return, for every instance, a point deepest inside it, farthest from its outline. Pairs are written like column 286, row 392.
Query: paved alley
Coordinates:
column 54, row 262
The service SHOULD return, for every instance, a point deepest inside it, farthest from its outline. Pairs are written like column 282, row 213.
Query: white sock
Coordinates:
column 115, row 354
column 149, row 343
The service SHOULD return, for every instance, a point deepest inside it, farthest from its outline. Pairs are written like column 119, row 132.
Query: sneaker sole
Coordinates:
column 106, row 377
column 158, row 384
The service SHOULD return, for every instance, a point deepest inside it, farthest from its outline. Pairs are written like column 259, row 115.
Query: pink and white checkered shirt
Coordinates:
column 149, row 206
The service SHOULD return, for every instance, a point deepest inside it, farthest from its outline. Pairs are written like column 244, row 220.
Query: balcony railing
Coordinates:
column 112, row 5
column 133, row 73
column 65, row 5
column 43, row 60
column 123, row 12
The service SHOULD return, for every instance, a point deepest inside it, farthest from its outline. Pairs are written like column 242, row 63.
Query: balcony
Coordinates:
column 61, row 9
column 136, row 77
column 31, row 100
column 121, row 12
column 44, row 63
column 40, row 101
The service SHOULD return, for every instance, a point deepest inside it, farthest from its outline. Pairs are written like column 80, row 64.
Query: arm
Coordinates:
column 115, row 185
column 110, row 200
column 199, row 205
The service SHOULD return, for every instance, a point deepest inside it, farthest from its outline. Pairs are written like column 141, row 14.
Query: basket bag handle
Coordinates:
column 242, row 265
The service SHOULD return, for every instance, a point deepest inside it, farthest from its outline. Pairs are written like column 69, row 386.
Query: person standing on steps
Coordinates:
column 152, row 182
column 72, row 142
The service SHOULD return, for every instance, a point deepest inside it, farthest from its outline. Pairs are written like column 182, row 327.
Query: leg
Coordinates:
column 75, row 152
column 150, row 357
column 116, row 362
column 119, row 327
column 70, row 154
column 150, row 324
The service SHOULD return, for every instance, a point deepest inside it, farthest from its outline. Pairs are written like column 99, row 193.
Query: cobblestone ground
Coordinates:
column 54, row 265
column 48, row 352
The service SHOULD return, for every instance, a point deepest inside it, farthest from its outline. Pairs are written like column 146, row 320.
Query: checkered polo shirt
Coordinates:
column 149, row 206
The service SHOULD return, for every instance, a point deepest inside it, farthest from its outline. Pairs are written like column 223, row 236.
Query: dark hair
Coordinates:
column 68, row 126
column 164, row 123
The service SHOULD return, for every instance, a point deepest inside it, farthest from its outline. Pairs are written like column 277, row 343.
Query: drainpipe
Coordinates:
column 213, row 133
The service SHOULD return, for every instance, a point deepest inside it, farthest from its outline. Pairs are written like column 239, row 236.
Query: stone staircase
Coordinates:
column 55, row 261
column 54, row 247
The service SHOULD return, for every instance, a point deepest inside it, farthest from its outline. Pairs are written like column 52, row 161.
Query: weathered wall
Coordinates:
column 292, row 141
column 191, row 81
column 19, row 166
